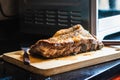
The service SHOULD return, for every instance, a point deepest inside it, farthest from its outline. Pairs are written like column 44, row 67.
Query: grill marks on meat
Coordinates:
column 66, row 42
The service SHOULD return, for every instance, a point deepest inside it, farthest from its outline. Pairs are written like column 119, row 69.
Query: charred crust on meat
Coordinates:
column 66, row 42
column 83, row 47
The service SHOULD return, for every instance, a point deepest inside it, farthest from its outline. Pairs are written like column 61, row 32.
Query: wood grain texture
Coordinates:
column 48, row 67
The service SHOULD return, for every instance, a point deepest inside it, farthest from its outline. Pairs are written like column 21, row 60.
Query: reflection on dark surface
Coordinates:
column 108, row 13
column 115, row 36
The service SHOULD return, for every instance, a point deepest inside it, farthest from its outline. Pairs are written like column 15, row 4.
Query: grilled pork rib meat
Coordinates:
column 66, row 42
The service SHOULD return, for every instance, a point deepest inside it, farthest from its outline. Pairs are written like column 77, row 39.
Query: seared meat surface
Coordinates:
column 66, row 42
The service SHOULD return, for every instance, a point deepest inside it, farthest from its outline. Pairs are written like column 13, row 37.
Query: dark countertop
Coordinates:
column 102, row 71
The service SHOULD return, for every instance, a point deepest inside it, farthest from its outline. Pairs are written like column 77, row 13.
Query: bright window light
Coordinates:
column 108, row 23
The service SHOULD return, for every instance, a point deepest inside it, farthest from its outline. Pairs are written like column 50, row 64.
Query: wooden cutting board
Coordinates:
column 48, row 67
